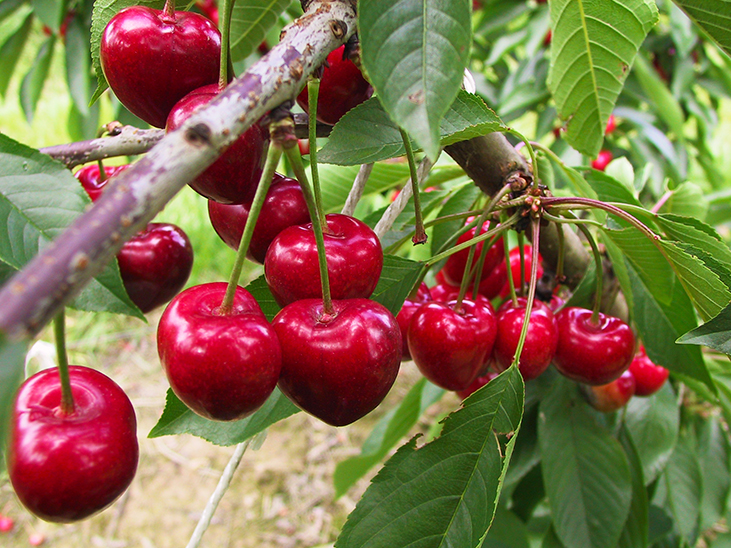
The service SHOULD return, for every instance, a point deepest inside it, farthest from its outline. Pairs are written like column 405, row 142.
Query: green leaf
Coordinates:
column 250, row 21
column 336, row 182
column 11, row 50
column 35, row 78
column 715, row 334
column 689, row 200
column 635, row 531
column 178, row 419
column 658, row 94
column 12, row 369
column 654, row 422
column 609, row 189
column 78, row 64
column 585, row 472
column 9, row 6
column 260, row 291
column 704, row 287
column 415, row 53
column 50, row 12
column 714, row 453
column 462, row 200
column 659, row 326
column 103, row 11
column 366, row 134
column 507, row 531
column 593, row 46
column 712, row 16
column 696, row 233
column 683, row 482
column 387, row 432
column 39, row 198
column 398, row 278
column 647, row 260
column 444, row 493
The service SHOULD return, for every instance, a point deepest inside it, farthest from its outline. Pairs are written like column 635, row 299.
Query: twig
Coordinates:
column 356, row 191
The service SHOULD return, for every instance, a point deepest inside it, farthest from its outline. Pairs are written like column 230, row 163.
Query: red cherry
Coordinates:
column 304, row 146
column 233, row 178
column 89, row 178
column 478, row 383
column 223, row 367
column 6, row 524
column 338, row 367
column 209, row 9
column 547, row 39
column 592, row 353
column 450, row 347
column 152, row 60
column 611, row 396
column 602, row 160
column 354, row 261
column 540, row 343
column 284, row 206
column 453, row 270
column 649, row 377
column 66, row 467
column 410, row 306
column 515, row 268
column 342, row 87
column 155, row 264
column 611, row 125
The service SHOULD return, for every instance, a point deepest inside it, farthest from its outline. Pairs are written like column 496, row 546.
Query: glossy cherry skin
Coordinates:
column 233, row 178
column 155, row 264
column 649, row 377
column 478, row 383
column 89, row 178
column 354, row 261
column 450, row 347
column 283, row 206
column 152, row 60
column 338, row 367
column 592, row 353
column 453, row 270
column 223, row 367
column 540, row 342
column 602, row 160
column 410, row 306
column 66, row 467
column 611, row 396
column 515, row 268
column 611, row 125
column 342, row 87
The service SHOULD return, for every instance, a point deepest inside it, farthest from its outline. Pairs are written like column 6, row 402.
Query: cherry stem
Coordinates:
column 521, row 250
column 59, row 330
column 502, row 227
column 536, row 233
column 420, row 233
column 468, row 271
column 662, row 201
column 313, row 92
column 532, row 153
column 169, row 9
column 102, row 172
column 225, row 27
column 561, row 251
column 599, row 274
column 511, row 281
column 318, row 222
column 273, row 155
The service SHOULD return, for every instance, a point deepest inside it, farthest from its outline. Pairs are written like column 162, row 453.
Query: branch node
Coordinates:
column 339, row 28
column 198, row 135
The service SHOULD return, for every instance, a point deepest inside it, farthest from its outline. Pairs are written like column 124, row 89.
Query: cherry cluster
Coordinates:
column 460, row 345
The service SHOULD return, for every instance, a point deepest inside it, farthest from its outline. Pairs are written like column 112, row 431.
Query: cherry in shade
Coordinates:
column 155, row 265
column 283, row 206
column 602, row 160
column 592, row 352
column 338, row 366
column 410, row 306
column 450, row 345
column 478, row 383
column 515, row 268
column 233, row 177
column 354, row 261
column 649, row 377
column 65, row 467
column 152, row 59
column 453, row 270
column 89, row 177
column 342, row 87
column 222, row 366
column 540, row 342
column 611, row 396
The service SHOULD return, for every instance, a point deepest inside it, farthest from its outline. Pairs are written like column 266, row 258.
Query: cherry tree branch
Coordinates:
column 36, row 293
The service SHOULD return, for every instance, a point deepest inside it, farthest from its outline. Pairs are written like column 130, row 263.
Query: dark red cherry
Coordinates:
column 284, row 206
column 342, row 87
column 233, row 178
column 152, row 60
column 339, row 366
column 592, row 353
column 89, row 177
column 410, row 306
column 611, row 396
column 453, row 270
column 515, row 268
column 478, row 383
column 649, row 377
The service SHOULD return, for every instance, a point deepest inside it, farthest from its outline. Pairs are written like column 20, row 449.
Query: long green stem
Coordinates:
column 599, row 274
column 535, row 236
column 318, row 222
column 313, row 92
column 227, row 7
column 521, row 251
column 420, row 233
column 508, row 268
column 273, row 156
column 67, row 397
